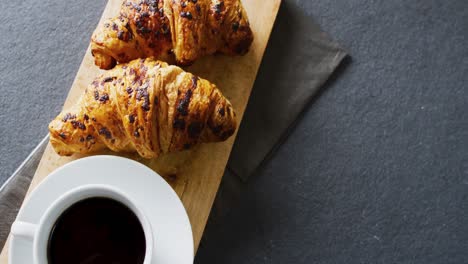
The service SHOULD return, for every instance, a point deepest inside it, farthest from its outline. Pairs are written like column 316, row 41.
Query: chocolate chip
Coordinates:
column 142, row 93
column 104, row 131
column 219, row 7
column 136, row 133
column 221, row 111
column 153, row 3
column 81, row 139
column 145, row 106
column 137, row 7
column 194, row 1
column 120, row 35
column 194, row 81
column 104, row 98
column 89, row 137
column 77, row 124
column 182, row 106
column 96, row 95
column 183, row 4
column 235, row 26
column 68, row 116
column 62, row 135
column 86, row 117
column 187, row 146
column 179, row 124
column 186, row 15
column 129, row 90
column 131, row 118
column 197, row 6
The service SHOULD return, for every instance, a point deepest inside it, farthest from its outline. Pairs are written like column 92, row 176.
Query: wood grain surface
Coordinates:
column 195, row 175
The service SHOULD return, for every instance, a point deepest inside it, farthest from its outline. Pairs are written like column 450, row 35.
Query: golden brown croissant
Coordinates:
column 146, row 106
column 187, row 28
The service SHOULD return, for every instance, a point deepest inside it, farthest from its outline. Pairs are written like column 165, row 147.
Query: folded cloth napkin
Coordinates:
column 298, row 60
column 14, row 189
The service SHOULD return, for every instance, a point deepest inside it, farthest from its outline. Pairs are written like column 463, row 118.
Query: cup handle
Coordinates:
column 24, row 229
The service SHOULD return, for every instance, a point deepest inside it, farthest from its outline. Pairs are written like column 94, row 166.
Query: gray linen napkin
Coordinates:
column 12, row 192
column 298, row 60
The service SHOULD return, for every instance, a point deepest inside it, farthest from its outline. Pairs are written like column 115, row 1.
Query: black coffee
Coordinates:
column 97, row 231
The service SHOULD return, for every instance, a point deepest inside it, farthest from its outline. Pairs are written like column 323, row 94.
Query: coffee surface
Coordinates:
column 97, row 230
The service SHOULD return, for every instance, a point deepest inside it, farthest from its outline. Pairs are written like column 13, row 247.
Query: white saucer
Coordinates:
column 173, row 241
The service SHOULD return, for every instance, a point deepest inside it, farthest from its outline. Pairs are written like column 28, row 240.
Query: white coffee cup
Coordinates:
column 39, row 233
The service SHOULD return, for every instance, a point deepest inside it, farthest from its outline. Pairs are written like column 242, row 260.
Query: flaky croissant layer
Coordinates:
column 157, row 28
column 145, row 106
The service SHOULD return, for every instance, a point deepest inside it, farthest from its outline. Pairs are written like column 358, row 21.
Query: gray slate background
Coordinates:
column 375, row 171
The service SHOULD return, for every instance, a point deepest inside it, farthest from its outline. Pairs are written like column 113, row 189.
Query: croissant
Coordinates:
column 157, row 28
column 145, row 106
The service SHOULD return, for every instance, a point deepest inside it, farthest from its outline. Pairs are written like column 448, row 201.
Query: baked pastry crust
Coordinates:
column 184, row 29
column 145, row 106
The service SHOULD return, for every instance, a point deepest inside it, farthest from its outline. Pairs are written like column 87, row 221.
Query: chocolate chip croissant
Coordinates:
column 145, row 106
column 157, row 28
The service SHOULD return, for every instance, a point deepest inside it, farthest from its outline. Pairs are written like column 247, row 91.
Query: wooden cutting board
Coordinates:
column 195, row 175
